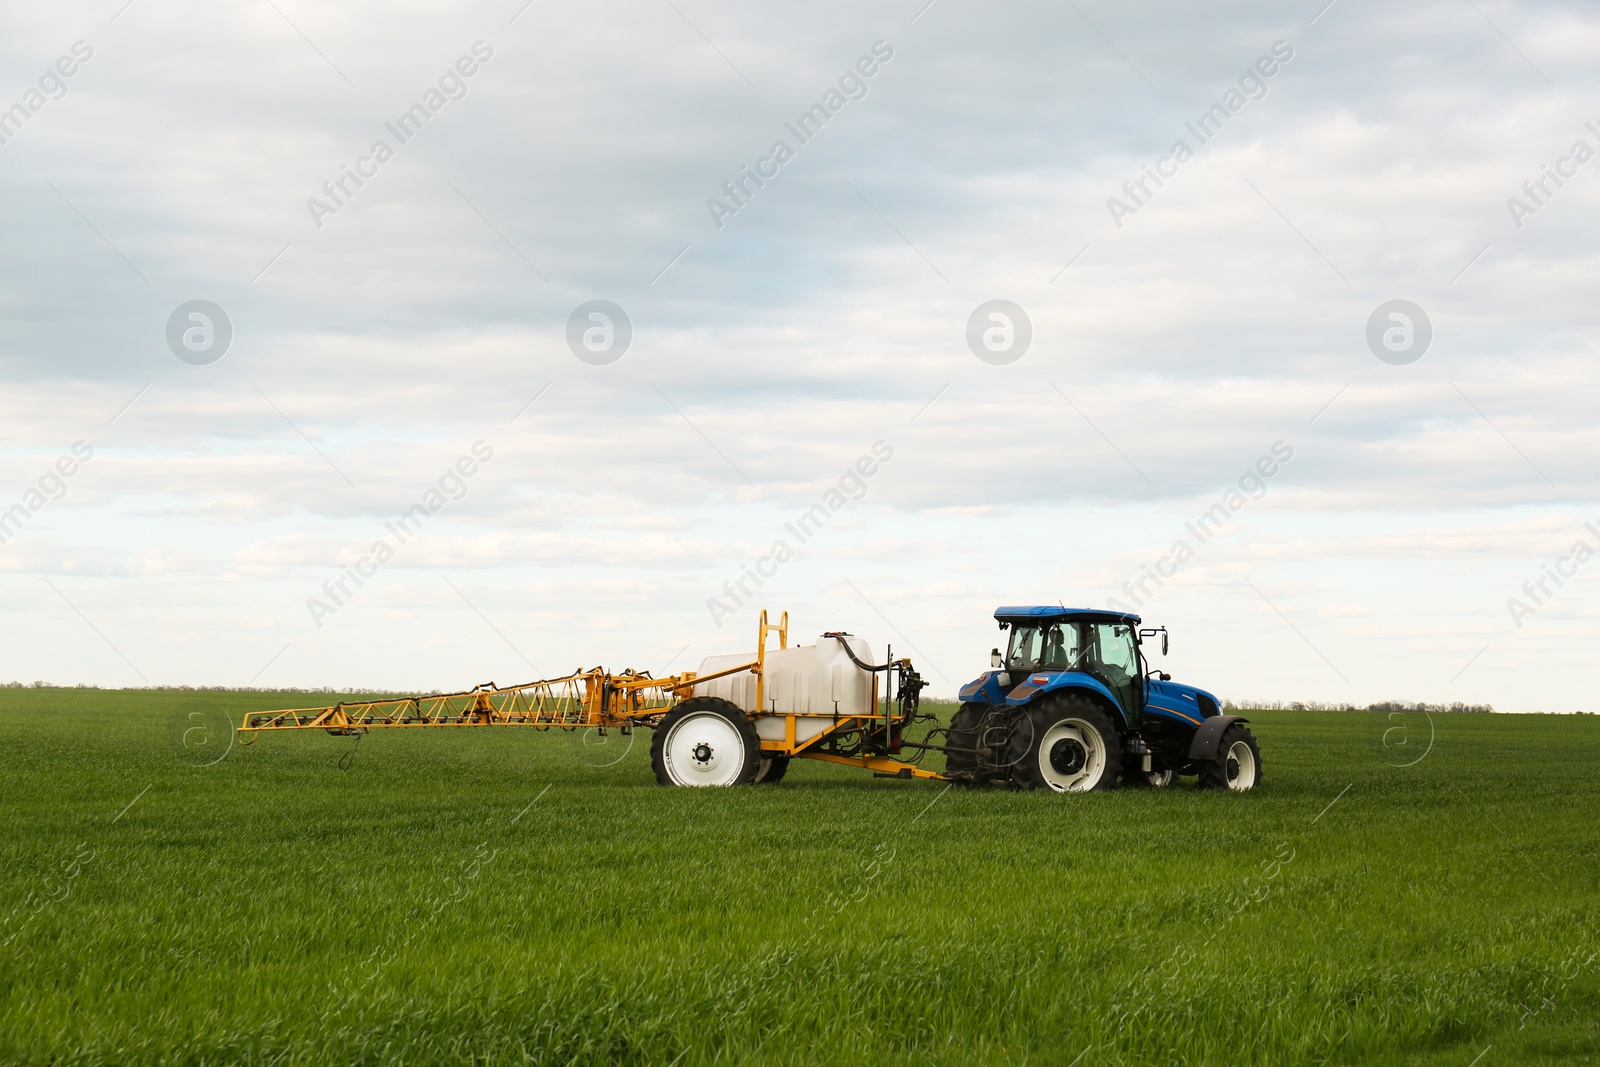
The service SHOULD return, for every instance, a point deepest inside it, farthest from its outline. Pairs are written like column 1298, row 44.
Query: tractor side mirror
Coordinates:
column 994, row 659
column 1151, row 633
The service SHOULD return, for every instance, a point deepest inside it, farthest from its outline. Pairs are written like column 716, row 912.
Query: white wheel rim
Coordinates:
column 704, row 749
column 1161, row 779
column 1240, row 767
column 1080, row 768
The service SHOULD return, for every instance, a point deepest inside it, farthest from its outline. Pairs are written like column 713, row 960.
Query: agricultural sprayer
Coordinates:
column 1068, row 707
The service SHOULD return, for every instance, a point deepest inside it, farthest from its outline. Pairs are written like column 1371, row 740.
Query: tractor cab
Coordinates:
column 1102, row 645
column 1100, row 648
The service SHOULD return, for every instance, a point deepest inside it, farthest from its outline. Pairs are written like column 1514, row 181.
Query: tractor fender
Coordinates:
column 1031, row 685
column 1204, row 746
column 984, row 690
column 1044, row 682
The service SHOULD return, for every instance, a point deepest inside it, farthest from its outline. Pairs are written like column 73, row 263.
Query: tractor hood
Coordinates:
column 1184, row 700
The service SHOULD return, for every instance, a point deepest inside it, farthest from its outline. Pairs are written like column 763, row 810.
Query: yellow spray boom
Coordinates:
column 736, row 720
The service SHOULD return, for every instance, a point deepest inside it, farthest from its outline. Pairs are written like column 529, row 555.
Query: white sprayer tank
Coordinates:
column 817, row 681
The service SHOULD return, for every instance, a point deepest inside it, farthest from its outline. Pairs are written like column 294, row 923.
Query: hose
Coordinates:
column 840, row 637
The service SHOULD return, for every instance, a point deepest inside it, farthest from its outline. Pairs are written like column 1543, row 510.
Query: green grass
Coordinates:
column 277, row 909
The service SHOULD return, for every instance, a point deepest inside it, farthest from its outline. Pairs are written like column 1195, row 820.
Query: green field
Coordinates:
column 412, row 907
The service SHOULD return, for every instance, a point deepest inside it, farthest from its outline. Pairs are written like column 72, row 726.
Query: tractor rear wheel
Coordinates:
column 772, row 770
column 1073, row 746
column 1237, row 765
column 706, row 741
column 968, row 768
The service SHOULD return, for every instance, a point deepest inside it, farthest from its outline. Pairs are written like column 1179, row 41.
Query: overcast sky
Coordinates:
column 1184, row 333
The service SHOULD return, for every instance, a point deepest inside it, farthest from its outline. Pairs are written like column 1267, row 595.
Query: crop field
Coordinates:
column 1400, row 890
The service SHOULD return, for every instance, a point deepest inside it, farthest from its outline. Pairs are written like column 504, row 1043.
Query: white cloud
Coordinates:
column 1218, row 320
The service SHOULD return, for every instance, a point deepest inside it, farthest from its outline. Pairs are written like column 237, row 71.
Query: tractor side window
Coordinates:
column 1115, row 661
column 1116, row 650
column 1060, row 648
column 1024, row 652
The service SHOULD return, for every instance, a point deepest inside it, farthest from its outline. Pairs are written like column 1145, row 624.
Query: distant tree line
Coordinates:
column 1382, row 706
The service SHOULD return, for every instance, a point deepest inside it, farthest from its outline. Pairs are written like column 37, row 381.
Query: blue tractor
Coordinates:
column 1073, row 706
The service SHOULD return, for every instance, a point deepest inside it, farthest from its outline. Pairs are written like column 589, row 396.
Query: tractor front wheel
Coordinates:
column 1237, row 765
column 706, row 741
column 1073, row 747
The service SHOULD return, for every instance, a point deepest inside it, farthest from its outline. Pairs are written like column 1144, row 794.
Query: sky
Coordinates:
column 1293, row 350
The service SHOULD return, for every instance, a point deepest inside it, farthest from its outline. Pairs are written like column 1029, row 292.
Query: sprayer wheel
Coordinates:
column 706, row 741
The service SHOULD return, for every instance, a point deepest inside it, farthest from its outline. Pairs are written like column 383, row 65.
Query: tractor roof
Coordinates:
column 1056, row 611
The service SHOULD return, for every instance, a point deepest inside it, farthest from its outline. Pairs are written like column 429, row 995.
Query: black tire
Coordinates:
column 969, row 768
column 744, row 761
column 1073, row 746
column 772, row 770
column 1227, row 770
column 1134, row 778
